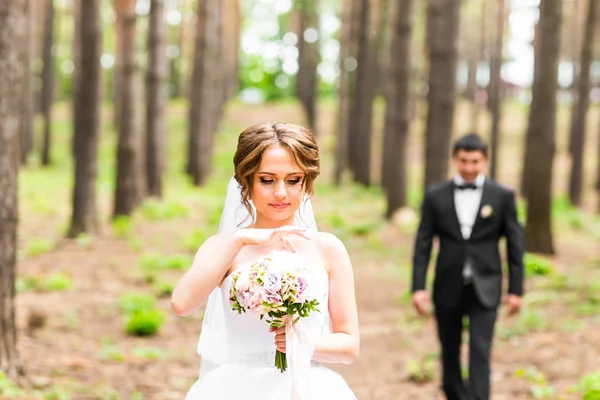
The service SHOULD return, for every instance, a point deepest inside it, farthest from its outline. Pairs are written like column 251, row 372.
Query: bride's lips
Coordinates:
column 279, row 206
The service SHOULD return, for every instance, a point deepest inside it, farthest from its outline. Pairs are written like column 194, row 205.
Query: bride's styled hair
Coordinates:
column 252, row 143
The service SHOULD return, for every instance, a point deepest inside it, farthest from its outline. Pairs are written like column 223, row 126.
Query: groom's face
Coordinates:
column 470, row 163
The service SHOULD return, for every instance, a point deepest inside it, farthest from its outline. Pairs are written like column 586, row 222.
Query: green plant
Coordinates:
column 589, row 386
column 144, row 322
column 537, row 265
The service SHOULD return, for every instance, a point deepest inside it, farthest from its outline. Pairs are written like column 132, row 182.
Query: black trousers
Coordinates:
column 481, row 332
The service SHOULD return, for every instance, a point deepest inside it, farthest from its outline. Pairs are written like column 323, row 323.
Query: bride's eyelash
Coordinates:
column 290, row 181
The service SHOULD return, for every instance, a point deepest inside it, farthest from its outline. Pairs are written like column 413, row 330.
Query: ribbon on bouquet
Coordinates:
column 299, row 352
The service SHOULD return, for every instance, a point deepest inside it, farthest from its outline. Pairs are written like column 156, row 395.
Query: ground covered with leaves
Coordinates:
column 94, row 314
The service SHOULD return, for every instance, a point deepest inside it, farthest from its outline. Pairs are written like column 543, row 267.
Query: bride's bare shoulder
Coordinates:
column 330, row 245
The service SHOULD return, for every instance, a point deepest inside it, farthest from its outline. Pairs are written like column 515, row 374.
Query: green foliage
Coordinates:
column 529, row 321
column 149, row 353
column 422, row 370
column 537, row 265
column 155, row 262
column 8, row 389
column 144, row 323
column 539, row 385
column 142, row 319
column 194, row 240
column 155, row 210
column 122, row 226
column 54, row 282
column 589, row 387
column 38, row 246
column 111, row 352
column 132, row 302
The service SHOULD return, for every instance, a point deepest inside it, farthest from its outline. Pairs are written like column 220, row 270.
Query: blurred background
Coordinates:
column 122, row 117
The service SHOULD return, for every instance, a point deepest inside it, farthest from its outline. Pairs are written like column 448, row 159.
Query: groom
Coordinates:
column 468, row 214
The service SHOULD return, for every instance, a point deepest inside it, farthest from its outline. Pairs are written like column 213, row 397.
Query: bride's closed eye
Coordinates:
column 290, row 181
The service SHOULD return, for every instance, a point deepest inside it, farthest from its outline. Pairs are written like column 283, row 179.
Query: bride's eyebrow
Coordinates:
column 272, row 174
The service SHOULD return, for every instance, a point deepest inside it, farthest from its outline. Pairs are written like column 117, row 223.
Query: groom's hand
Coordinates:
column 514, row 304
column 422, row 302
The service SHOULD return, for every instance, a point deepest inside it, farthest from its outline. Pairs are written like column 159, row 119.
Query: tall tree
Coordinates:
column 47, row 80
column 155, row 99
column 12, row 26
column 206, row 98
column 27, row 107
column 360, row 129
column 398, row 107
column 87, row 118
column 580, row 106
column 540, row 139
column 308, row 58
column 443, row 20
column 344, row 100
column 128, row 193
column 495, row 89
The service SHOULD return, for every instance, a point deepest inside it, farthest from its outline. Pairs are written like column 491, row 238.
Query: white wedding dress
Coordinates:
column 246, row 368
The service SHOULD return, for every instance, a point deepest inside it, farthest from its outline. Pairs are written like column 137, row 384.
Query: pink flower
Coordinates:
column 273, row 299
column 272, row 282
column 256, row 302
column 244, row 298
column 242, row 282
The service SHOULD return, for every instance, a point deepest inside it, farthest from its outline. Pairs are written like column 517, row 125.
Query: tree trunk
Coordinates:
column 360, row 137
column 341, row 148
column 541, row 132
column 47, row 81
column 197, row 102
column 76, row 69
column 87, row 119
column 496, row 87
column 443, row 19
column 398, row 104
column 308, row 59
column 128, row 191
column 27, row 107
column 207, row 83
column 155, row 100
column 580, row 107
column 12, row 34
column 355, row 29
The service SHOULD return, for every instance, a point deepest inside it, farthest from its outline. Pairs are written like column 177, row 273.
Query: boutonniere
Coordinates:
column 486, row 211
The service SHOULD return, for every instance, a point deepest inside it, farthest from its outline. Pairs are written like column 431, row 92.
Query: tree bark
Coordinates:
column 87, row 119
column 128, row 193
column 355, row 29
column 308, row 59
column 541, row 132
column 12, row 33
column 47, row 81
column 28, row 115
column 156, row 99
column 398, row 105
column 443, row 19
column 341, row 147
column 360, row 136
column 207, row 83
column 580, row 107
column 496, row 86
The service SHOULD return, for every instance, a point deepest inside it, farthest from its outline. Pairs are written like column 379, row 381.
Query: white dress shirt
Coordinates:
column 467, row 202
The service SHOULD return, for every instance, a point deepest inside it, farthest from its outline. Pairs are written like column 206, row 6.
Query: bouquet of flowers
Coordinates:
column 276, row 288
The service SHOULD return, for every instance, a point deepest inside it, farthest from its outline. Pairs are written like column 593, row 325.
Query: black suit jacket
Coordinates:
column 439, row 218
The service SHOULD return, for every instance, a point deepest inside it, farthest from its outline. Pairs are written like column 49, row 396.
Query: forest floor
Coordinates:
column 74, row 295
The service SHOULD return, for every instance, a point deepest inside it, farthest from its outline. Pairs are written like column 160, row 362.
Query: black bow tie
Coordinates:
column 464, row 186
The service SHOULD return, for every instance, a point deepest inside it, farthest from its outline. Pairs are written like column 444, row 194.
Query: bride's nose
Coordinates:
column 280, row 192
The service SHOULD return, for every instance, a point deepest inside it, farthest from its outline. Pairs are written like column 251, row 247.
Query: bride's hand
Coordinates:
column 253, row 236
column 280, row 339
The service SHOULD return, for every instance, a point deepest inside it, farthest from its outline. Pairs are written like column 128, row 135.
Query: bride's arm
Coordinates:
column 211, row 262
column 342, row 345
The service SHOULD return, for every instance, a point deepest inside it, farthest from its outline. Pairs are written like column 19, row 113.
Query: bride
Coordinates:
column 267, row 209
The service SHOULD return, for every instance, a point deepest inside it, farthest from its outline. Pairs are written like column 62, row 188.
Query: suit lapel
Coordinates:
column 455, row 221
column 486, row 197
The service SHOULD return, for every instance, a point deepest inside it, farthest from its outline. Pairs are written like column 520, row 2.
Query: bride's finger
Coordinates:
column 288, row 243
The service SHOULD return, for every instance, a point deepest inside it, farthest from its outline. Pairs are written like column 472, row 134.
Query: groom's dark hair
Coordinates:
column 470, row 142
